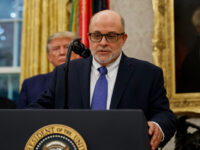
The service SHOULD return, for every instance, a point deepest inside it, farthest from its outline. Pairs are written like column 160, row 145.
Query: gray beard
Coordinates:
column 109, row 60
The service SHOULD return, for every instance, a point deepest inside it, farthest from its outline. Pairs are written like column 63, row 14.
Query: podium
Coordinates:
column 101, row 130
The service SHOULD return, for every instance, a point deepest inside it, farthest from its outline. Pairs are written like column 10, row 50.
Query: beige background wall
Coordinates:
column 138, row 15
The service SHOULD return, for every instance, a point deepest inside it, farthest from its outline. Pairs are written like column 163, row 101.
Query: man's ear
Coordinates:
column 124, row 38
column 49, row 57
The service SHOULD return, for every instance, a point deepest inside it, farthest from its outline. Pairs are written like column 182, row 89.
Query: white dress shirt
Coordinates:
column 110, row 76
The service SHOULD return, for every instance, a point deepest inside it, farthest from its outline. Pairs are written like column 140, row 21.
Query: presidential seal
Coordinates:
column 56, row 137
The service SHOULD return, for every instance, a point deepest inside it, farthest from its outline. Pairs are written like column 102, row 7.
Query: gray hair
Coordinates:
column 196, row 18
column 122, row 21
column 58, row 35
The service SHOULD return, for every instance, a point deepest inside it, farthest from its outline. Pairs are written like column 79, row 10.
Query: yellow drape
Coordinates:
column 41, row 18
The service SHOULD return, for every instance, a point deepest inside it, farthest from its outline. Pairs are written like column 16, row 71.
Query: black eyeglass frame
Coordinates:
column 106, row 36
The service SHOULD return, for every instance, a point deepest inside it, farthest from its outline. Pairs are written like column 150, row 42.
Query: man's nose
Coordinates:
column 63, row 50
column 103, row 41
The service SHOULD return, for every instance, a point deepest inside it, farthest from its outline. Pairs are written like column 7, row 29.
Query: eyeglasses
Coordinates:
column 110, row 37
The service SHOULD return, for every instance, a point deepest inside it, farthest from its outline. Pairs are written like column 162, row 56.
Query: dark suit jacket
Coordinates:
column 139, row 85
column 32, row 88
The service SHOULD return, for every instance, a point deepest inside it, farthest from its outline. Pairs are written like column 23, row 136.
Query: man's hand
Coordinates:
column 156, row 135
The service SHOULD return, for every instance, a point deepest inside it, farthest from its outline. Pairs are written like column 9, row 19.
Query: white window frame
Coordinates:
column 15, row 68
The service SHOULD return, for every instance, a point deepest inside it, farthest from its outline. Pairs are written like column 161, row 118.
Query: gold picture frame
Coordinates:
column 164, row 56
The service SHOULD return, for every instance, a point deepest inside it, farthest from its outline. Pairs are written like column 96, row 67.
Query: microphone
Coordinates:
column 80, row 48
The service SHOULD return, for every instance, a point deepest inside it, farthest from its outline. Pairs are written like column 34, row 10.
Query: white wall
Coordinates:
column 138, row 15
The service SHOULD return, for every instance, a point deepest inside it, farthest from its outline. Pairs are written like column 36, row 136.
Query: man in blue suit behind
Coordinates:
column 123, row 82
column 57, row 45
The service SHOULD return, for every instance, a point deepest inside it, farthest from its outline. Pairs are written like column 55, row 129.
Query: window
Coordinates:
column 10, row 42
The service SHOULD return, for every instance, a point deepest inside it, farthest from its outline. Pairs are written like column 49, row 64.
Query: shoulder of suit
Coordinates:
column 142, row 63
column 81, row 60
column 73, row 63
column 38, row 77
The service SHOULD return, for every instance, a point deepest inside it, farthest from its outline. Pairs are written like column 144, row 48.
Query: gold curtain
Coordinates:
column 41, row 18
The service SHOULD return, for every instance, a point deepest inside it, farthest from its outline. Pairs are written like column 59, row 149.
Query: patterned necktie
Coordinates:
column 99, row 99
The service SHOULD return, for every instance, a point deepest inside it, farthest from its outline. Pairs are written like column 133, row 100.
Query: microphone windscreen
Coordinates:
column 80, row 49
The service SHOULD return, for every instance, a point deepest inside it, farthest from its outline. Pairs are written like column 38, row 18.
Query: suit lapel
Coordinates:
column 122, row 80
column 84, row 76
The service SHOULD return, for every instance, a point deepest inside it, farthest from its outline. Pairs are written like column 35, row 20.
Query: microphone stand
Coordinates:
column 69, row 52
column 79, row 49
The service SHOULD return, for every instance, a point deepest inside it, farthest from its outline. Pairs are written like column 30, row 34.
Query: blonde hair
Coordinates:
column 58, row 35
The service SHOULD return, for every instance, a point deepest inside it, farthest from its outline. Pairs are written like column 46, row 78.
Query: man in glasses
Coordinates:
column 107, row 37
column 111, row 80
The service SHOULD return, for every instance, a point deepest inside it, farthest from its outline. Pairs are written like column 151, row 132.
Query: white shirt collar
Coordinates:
column 110, row 67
